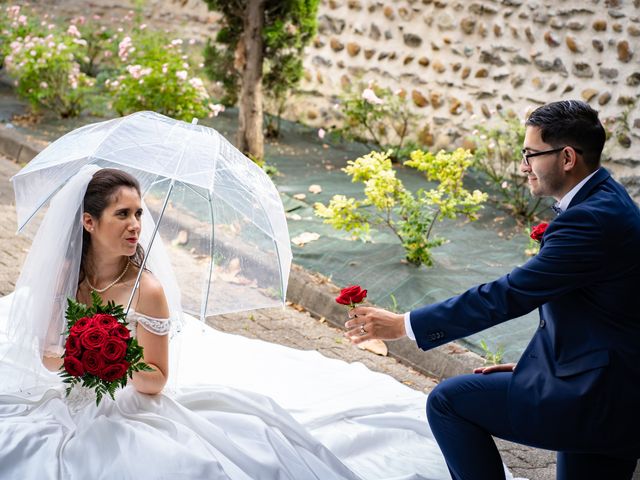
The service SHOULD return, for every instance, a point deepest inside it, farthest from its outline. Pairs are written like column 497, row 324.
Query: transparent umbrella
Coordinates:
column 219, row 215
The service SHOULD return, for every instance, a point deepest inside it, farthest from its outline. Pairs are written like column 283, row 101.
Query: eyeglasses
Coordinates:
column 526, row 156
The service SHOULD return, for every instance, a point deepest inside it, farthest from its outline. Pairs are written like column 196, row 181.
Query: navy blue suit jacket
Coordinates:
column 577, row 384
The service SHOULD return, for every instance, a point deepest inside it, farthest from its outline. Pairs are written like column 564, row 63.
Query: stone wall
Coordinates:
column 464, row 62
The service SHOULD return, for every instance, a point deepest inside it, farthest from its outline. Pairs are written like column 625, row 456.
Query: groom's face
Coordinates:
column 118, row 229
column 544, row 172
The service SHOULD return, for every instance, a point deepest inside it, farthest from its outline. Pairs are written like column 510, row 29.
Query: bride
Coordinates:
column 214, row 406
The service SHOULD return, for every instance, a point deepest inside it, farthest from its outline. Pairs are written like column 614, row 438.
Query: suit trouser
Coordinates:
column 464, row 412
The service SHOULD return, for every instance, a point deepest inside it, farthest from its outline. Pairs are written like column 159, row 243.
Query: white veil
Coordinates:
column 49, row 276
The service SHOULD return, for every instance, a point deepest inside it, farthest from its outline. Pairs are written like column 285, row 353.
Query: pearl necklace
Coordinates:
column 102, row 290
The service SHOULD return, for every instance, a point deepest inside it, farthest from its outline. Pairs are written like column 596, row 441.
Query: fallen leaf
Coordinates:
column 315, row 188
column 181, row 239
column 376, row 346
column 300, row 196
column 294, row 216
column 304, row 238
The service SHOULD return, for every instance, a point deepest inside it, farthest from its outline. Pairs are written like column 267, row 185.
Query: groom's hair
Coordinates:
column 101, row 191
column 573, row 123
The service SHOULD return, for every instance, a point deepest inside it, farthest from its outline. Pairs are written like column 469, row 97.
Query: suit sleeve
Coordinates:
column 571, row 256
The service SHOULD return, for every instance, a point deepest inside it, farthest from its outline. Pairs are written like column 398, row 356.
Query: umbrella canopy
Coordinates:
column 219, row 214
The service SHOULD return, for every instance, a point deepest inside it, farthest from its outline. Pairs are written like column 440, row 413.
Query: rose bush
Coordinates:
column 42, row 59
column 156, row 75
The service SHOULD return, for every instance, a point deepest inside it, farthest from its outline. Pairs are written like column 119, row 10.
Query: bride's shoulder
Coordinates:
column 152, row 300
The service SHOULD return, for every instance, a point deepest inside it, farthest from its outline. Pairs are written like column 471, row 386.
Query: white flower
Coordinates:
column 164, row 68
column 370, row 96
column 22, row 20
column 73, row 31
column 124, row 48
column 13, row 11
column 216, row 108
column 143, row 26
column 44, row 85
column 321, row 133
column 135, row 71
column 195, row 82
column 182, row 74
column 177, row 41
column 505, row 184
column 33, row 53
column 192, row 41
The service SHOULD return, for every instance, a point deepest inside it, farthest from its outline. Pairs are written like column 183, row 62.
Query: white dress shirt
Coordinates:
column 562, row 205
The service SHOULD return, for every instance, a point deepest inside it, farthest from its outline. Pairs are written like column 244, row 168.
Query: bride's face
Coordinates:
column 117, row 231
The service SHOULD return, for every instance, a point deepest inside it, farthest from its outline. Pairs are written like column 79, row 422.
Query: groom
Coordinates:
column 576, row 388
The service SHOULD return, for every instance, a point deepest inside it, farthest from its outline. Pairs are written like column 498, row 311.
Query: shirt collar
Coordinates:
column 564, row 202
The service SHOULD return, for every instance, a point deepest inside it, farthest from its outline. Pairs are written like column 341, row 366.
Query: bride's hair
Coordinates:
column 101, row 191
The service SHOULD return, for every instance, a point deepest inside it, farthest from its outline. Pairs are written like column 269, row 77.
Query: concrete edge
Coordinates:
column 312, row 291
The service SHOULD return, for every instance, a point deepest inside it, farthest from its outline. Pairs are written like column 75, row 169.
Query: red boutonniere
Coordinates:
column 538, row 231
column 351, row 296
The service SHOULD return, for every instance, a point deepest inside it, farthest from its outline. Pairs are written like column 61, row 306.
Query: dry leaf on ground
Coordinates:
column 376, row 346
column 305, row 237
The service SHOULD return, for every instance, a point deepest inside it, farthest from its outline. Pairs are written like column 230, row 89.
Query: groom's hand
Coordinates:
column 367, row 323
column 504, row 367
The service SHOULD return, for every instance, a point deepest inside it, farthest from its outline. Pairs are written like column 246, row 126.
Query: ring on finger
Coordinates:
column 362, row 330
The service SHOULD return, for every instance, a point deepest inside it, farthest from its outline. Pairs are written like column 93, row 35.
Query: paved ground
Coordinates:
column 293, row 327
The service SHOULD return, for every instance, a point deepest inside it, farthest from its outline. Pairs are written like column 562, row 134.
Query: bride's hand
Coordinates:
column 52, row 363
column 504, row 367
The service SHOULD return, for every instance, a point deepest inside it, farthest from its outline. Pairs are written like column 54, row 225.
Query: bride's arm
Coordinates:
column 152, row 303
column 51, row 361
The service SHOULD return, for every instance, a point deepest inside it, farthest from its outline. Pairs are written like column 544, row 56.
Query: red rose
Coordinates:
column 92, row 362
column 120, row 331
column 72, row 346
column 104, row 320
column 351, row 295
column 73, row 366
column 113, row 349
column 81, row 325
column 115, row 371
column 93, row 338
column 538, row 231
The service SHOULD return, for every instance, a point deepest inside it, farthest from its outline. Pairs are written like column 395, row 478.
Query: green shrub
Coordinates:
column 498, row 156
column 380, row 117
column 387, row 203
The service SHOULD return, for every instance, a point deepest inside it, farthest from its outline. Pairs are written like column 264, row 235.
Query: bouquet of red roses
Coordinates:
column 99, row 351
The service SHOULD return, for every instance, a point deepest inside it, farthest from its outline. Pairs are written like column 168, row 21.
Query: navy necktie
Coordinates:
column 556, row 209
